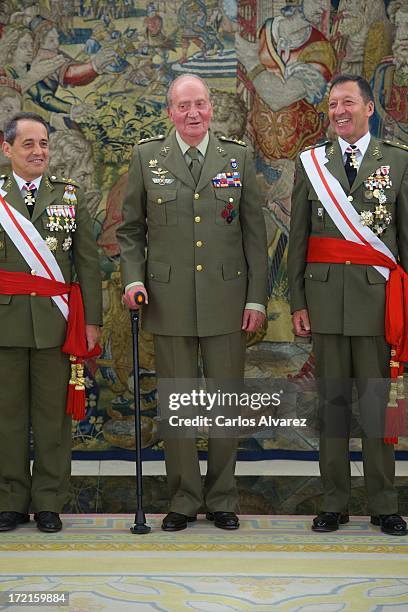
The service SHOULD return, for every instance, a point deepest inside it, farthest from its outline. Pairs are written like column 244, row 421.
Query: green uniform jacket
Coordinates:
column 346, row 299
column 200, row 270
column 31, row 321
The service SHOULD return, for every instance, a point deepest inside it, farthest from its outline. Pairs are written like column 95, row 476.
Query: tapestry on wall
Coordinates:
column 98, row 72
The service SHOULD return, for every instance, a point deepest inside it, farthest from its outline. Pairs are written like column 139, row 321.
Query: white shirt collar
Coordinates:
column 361, row 144
column 20, row 181
column 202, row 146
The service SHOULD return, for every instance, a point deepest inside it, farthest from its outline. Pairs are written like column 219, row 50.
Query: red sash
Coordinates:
column 337, row 250
column 21, row 283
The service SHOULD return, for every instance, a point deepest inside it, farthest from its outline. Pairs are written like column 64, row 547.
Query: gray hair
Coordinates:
column 183, row 76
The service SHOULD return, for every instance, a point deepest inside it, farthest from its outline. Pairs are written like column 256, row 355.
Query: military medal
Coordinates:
column 227, row 179
column 229, row 213
column 160, row 174
column 66, row 245
column 69, row 196
column 52, row 243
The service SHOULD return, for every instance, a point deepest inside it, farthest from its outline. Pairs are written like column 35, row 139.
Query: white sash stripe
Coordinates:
column 342, row 200
column 15, row 235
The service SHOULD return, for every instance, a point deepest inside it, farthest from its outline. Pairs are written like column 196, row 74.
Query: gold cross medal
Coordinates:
column 53, row 224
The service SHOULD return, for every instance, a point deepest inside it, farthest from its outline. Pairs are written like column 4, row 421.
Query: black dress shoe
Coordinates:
column 48, row 521
column 174, row 521
column 11, row 520
column 393, row 524
column 223, row 520
column 329, row 521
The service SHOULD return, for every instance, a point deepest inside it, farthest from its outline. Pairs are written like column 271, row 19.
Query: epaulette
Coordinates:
column 158, row 137
column 63, row 179
column 239, row 142
column 322, row 143
column 399, row 145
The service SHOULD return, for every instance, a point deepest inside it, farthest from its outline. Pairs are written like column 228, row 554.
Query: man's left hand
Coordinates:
column 93, row 336
column 252, row 320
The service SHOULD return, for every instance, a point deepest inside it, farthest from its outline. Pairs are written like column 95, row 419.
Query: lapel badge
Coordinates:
column 320, row 212
column 234, row 164
column 331, row 150
column 153, row 163
column 220, row 150
column 52, row 243
column 66, row 245
column 376, row 151
column 165, row 150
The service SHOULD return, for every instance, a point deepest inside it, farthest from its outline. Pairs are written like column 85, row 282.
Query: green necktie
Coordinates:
column 195, row 165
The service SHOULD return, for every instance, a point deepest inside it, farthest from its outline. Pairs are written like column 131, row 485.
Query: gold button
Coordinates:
column 33, row 272
column 196, row 196
column 199, row 268
column 199, row 243
column 347, row 263
column 230, row 199
column 350, row 198
column 151, row 275
column 197, row 219
column 310, row 275
column 33, row 294
column 239, row 273
column 159, row 200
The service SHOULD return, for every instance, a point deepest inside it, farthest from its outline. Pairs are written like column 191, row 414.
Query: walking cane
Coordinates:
column 139, row 526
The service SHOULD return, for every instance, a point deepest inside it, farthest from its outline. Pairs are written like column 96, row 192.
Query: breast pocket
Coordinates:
column 227, row 205
column 162, row 206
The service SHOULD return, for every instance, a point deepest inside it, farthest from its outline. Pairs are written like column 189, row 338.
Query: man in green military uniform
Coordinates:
column 45, row 231
column 204, row 277
column 350, row 199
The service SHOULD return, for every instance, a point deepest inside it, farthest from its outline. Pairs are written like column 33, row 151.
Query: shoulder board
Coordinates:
column 322, row 143
column 158, row 137
column 63, row 179
column 238, row 142
column 399, row 145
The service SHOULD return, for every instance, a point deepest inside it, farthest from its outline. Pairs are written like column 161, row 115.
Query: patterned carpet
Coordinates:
column 271, row 562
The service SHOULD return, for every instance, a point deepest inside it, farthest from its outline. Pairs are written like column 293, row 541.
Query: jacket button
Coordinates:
column 197, row 219
column 199, row 268
column 159, row 200
column 33, row 272
column 151, row 275
column 196, row 196
column 310, row 275
column 350, row 198
column 1, row 244
column 199, row 243
column 239, row 273
column 33, row 294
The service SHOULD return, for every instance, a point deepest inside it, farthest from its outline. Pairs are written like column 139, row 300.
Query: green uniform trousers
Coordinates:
column 34, row 387
column 223, row 359
column 339, row 359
